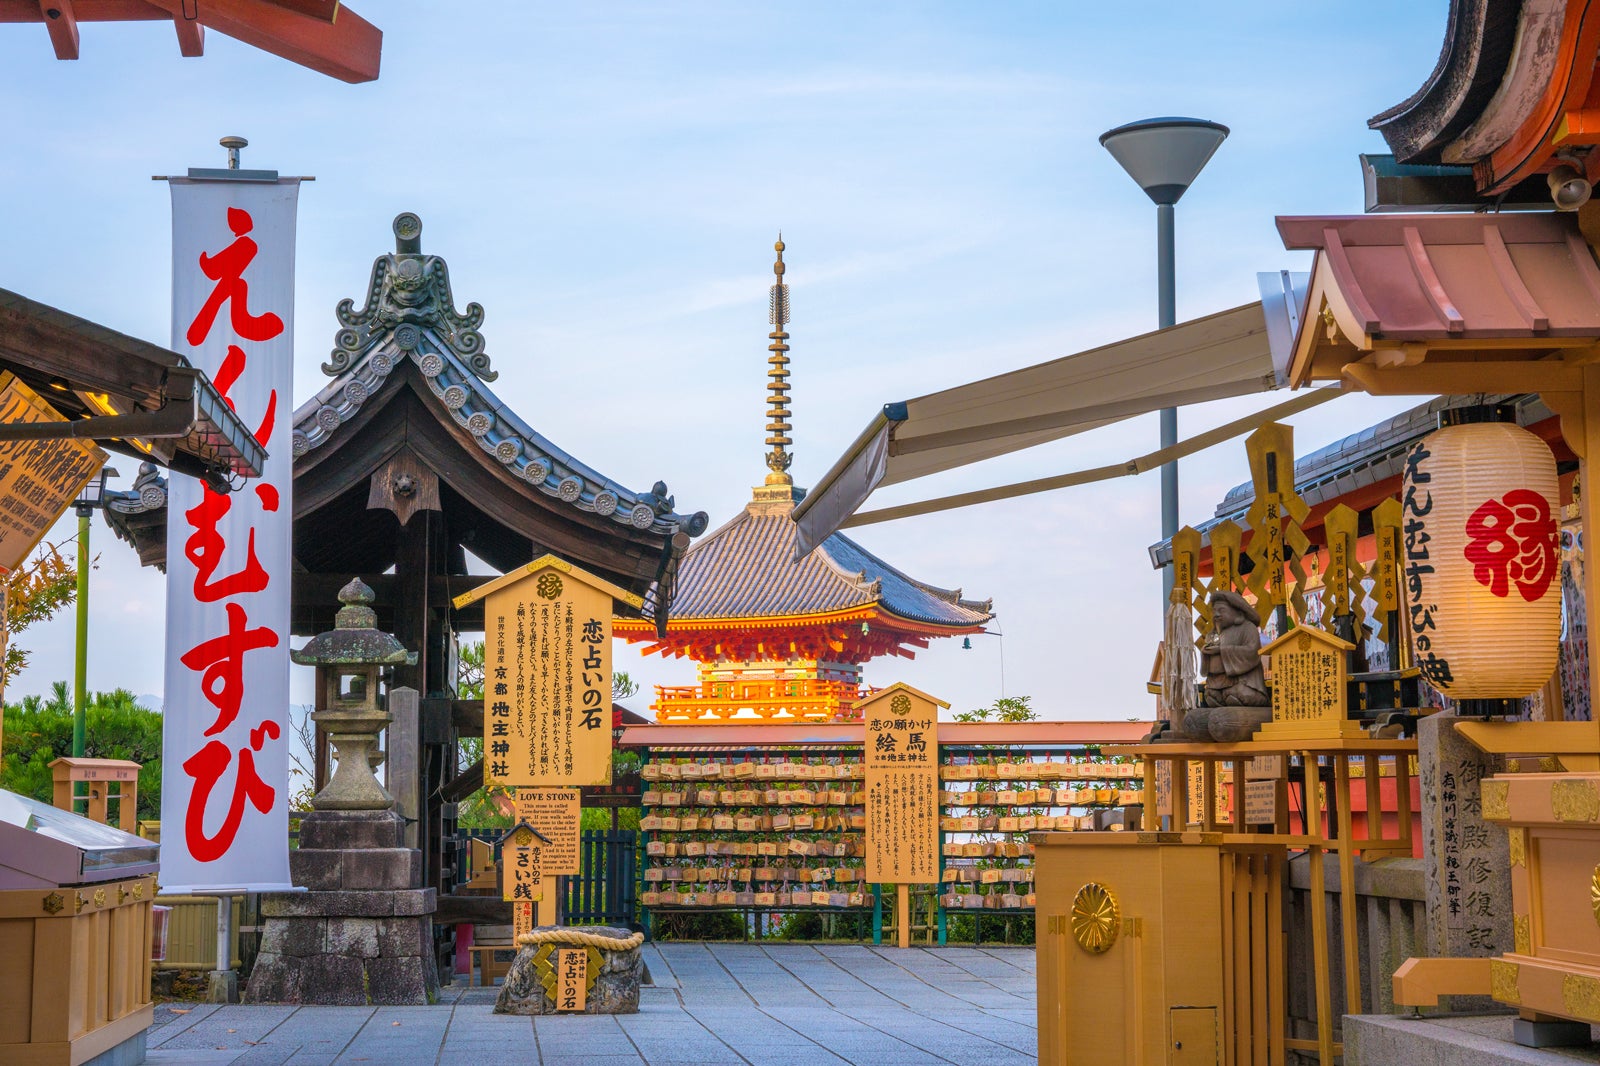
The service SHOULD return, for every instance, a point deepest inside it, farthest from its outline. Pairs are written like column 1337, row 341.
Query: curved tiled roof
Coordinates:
column 747, row 569
column 410, row 313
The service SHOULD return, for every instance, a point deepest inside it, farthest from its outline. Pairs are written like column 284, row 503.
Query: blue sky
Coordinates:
column 607, row 181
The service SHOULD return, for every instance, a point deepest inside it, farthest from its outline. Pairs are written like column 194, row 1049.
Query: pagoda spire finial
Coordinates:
column 778, row 425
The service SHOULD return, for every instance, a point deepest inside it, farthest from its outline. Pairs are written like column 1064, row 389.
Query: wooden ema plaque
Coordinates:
column 557, row 813
column 521, row 880
column 901, row 753
column 1309, row 677
column 547, row 675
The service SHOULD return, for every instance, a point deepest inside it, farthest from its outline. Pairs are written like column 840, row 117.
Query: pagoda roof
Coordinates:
column 747, row 570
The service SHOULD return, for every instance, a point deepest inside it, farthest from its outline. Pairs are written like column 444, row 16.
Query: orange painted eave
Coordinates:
column 637, row 629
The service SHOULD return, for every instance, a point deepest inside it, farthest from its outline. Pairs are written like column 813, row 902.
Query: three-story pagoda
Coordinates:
column 780, row 639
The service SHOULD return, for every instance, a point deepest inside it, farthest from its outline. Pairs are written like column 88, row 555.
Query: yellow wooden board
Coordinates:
column 572, row 979
column 522, row 880
column 558, row 814
column 521, row 919
column 547, row 678
column 39, row 479
column 901, row 752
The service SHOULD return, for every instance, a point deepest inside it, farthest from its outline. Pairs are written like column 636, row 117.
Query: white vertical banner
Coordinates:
column 225, row 737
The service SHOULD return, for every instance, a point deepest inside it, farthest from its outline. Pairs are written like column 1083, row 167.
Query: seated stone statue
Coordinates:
column 1231, row 658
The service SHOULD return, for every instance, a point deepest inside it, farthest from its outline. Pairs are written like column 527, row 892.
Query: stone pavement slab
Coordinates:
column 708, row 1005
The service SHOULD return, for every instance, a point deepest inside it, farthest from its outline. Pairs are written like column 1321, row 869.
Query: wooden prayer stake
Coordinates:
column 902, row 913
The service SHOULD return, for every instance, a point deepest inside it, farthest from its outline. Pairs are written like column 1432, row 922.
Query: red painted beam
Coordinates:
column 62, row 23
column 191, row 34
column 86, row 11
column 348, row 48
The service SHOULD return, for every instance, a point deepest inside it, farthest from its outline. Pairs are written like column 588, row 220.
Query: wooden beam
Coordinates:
column 85, row 10
column 191, row 33
column 61, row 20
column 347, row 48
column 1453, row 379
column 1420, row 982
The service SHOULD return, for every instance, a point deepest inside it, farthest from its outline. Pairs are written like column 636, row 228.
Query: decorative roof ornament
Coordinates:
column 410, row 294
column 778, row 424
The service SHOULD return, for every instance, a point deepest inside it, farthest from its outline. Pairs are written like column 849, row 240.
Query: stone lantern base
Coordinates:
column 361, row 933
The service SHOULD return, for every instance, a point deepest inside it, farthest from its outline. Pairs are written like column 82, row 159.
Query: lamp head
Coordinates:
column 1164, row 155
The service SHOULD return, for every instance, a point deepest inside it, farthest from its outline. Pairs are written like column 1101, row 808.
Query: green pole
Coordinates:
column 81, row 666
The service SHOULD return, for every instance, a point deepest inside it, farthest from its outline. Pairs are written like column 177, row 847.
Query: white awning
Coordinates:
column 1226, row 354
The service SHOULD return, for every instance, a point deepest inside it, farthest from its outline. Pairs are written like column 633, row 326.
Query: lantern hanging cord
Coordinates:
column 579, row 938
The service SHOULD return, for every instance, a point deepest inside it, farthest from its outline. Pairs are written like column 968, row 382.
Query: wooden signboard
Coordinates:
column 572, row 979
column 1261, row 802
column 557, row 813
column 521, row 880
column 1308, row 687
column 39, row 479
column 901, row 752
column 521, row 919
column 547, row 675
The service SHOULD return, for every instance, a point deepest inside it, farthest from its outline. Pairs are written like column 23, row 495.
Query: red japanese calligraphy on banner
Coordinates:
column 225, row 795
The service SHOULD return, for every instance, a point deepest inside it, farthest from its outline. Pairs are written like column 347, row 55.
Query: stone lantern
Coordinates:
column 349, row 658
column 362, row 931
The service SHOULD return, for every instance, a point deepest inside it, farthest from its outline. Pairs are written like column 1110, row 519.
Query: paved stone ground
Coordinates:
column 710, row 1005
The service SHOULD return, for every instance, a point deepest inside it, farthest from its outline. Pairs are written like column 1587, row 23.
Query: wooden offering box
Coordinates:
column 74, row 971
column 75, row 900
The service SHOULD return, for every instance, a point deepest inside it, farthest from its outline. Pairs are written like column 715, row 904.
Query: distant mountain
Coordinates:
column 148, row 702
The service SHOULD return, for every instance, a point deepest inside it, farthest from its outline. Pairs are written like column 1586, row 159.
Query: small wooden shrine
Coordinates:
column 779, row 639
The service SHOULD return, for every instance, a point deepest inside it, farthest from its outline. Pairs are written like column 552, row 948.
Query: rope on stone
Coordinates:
column 579, row 938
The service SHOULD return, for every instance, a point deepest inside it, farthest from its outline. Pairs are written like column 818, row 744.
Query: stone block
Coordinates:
column 316, row 869
column 355, row 938
column 400, row 981
column 275, row 979
column 1550, row 1033
column 335, row 830
column 334, row 981
column 298, row 937
column 413, row 901
column 376, row 869
column 399, row 937
column 615, row 990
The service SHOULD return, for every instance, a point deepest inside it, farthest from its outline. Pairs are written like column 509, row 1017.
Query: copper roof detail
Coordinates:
column 409, row 314
column 1441, row 283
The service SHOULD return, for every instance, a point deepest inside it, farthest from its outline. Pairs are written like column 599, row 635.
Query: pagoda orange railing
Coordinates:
column 768, row 699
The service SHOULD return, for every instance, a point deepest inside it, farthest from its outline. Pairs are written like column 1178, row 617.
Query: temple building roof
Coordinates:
column 747, row 570
column 408, row 424
column 839, row 602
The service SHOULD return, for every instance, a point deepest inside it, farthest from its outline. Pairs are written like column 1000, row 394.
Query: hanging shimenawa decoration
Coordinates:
column 1482, row 577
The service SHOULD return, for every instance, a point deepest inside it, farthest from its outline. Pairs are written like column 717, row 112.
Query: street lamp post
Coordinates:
column 94, row 497
column 1165, row 155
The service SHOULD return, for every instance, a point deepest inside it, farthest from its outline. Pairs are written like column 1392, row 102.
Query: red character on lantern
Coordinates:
column 1513, row 540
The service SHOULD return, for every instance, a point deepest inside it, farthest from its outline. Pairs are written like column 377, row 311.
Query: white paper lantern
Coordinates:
column 1482, row 576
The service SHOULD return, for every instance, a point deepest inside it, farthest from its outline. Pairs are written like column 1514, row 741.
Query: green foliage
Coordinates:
column 1004, row 709
column 39, row 731
column 44, row 585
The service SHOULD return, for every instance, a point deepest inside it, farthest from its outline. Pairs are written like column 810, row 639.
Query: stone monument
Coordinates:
column 611, row 969
column 362, row 932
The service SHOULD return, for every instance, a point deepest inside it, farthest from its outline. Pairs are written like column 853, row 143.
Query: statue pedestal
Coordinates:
column 362, row 933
